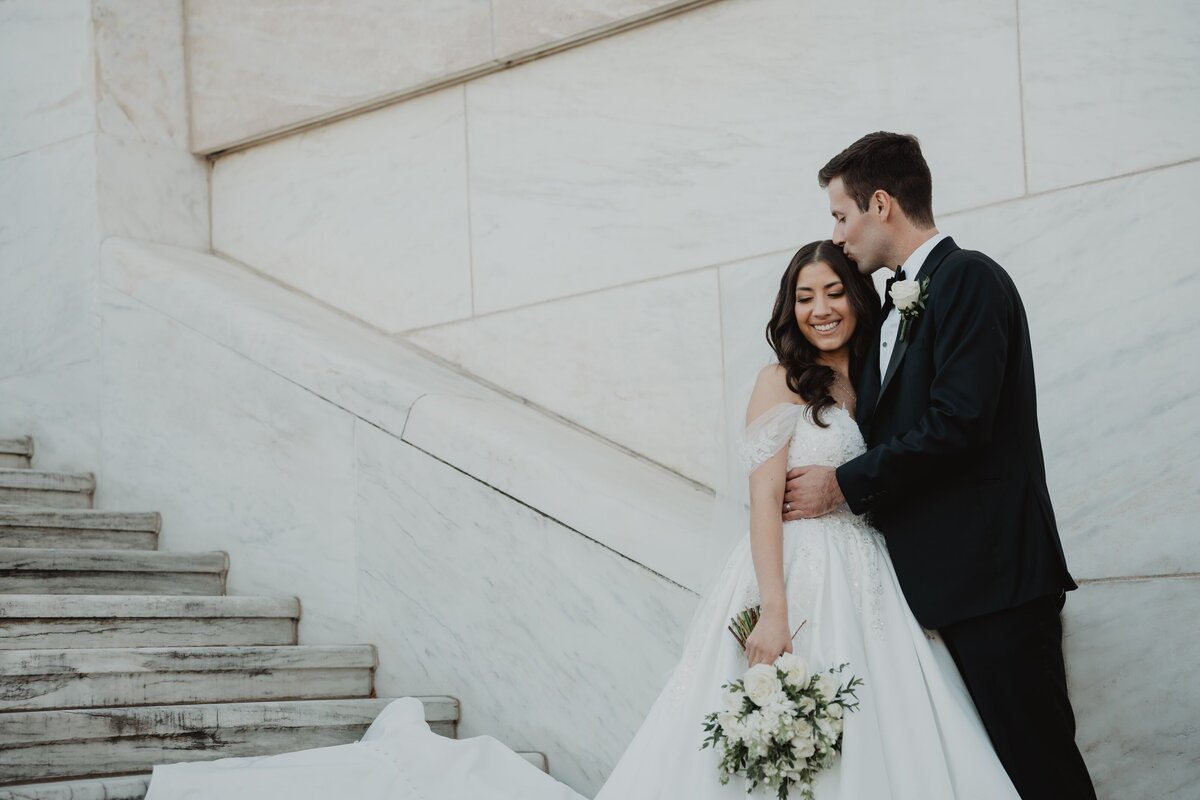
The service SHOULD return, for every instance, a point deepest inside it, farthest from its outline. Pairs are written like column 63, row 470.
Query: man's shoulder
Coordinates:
column 962, row 264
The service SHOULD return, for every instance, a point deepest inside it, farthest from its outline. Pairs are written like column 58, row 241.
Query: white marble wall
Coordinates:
column 521, row 618
column 1131, row 653
column 256, row 68
column 92, row 143
column 1109, row 88
column 49, row 229
column 150, row 186
column 489, row 551
column 46, row 73
column 368, row 214
column 655, row 347
column 264, row 471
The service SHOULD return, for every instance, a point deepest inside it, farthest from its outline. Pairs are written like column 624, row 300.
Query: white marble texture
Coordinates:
column 640, row 511
column 235, row 458
column 355, row 368
column 1131, row 653
column 141, row 88
column 1108, row 276
column 696, row 141
column 461, row 587
column 255, row 67
column 1109, row 87
column 368, row 214
column 639, row 365
column 49, row 230
column 524, row 25
column 156, row 193
column 60, row 409
column 46, row 73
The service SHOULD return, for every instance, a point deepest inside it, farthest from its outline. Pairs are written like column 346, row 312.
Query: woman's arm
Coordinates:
column 771, row 635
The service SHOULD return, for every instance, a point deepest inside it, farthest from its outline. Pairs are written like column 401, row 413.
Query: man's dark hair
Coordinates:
column 888, row 161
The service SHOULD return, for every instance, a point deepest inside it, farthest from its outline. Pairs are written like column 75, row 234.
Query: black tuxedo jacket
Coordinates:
column 954, row 474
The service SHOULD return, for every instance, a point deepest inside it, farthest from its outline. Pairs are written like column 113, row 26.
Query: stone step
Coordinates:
column 78, row 528
column 43, row 745
column 30, row 622
column 92, row 678
column 16, row 453
column 129, row 787
column 28, row 487
column 27, row 570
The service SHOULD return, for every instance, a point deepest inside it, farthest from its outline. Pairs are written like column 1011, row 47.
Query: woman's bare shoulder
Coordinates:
column 770, row 389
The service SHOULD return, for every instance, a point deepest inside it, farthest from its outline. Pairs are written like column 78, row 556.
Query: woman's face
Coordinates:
column 823, row 309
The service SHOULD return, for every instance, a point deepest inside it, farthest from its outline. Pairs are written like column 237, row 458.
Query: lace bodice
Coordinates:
column 808, row 443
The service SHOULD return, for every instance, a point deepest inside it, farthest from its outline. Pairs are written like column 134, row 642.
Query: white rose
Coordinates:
column 794, row 667
column 802, row 728
column 802, row 746
column 762, row 684
column 835, row 710
column 836, row 724
column 828, row 686
column 734, row 701
column 825, row 727
column 905, row 294
column 807, row 705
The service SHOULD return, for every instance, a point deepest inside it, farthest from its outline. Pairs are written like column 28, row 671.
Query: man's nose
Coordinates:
column 837, row 237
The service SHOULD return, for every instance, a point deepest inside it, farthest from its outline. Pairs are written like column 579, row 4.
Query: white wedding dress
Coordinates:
column 398, row 758
column 916, row 735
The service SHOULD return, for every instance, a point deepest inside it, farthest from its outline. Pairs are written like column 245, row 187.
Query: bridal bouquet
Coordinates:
column 781, row 725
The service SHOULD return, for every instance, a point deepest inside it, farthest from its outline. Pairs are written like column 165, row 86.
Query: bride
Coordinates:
column 916, row 734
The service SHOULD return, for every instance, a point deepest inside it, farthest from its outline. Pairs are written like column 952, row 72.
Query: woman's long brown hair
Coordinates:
column 806, row 375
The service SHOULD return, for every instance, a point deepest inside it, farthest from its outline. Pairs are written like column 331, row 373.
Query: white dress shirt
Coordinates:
column 889, row 333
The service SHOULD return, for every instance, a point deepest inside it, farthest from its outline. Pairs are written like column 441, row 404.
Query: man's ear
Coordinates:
column 881, row 205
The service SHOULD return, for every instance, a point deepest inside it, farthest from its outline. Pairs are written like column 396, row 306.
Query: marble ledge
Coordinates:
column 633, row 508
column 343, row 361
column 646, row 514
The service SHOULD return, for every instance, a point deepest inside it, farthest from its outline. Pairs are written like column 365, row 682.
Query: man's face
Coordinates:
column 859, row 233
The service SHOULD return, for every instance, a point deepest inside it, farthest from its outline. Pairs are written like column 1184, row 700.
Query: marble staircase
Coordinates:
column 115, row 656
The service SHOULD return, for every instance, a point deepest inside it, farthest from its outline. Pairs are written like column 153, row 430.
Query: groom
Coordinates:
column 954, row 475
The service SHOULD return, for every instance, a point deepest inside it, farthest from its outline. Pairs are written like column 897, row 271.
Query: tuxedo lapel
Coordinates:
column 932, row 262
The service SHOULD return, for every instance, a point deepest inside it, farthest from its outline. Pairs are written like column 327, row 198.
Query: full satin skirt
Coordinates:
column 916, row 734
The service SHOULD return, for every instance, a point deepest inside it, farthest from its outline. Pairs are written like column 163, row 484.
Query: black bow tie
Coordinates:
column 899, row 276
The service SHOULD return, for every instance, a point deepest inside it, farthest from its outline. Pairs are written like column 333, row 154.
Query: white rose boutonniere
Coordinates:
column 909, row 297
